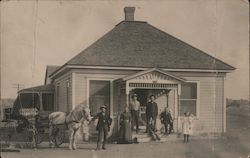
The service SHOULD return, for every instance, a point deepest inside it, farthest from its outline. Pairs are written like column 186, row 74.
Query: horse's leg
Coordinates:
column 75, row 135
column 74, row 140
column 71, row 137
column 51, row 144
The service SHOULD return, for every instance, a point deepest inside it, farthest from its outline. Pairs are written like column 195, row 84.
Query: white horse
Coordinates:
column 73, row 121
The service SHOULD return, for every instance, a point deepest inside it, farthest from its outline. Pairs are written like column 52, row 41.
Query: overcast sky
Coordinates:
column 39, row 33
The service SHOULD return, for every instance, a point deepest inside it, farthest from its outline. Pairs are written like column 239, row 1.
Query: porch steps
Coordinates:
column 144, row 137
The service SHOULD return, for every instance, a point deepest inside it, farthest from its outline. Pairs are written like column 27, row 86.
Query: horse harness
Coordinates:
column 74, row 118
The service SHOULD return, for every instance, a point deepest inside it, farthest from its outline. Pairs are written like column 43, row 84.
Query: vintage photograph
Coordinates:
column 124, row 78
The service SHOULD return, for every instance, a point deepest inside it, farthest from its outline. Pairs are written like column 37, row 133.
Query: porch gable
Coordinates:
column 153, row 75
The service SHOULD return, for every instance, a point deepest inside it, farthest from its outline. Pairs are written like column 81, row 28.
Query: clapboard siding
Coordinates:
column 80, row 89
column 61, row 101
column 210, row 104
column 210, row 116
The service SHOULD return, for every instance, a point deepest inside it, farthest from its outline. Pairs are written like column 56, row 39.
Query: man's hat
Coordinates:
column 103, row 106
column 152, row 95
column 134, row 95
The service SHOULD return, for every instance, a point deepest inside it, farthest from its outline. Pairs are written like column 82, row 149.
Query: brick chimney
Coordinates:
column 129, row 13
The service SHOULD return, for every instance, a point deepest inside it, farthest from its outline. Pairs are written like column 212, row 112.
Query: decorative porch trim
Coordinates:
column 152, row 86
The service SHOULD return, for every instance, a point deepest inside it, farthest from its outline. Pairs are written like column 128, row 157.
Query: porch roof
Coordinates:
column 162, row 75
column 49, row 88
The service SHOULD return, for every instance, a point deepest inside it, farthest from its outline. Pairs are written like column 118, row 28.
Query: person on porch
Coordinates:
column 135, row 110
column 125, row 133
column 151, row 113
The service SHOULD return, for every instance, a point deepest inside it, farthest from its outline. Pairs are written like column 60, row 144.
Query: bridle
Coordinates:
column 83, row 113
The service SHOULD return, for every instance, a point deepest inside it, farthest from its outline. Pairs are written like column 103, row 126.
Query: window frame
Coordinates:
column 68, row 94
column 197, row 116
column 111, row 90
column 57, row 96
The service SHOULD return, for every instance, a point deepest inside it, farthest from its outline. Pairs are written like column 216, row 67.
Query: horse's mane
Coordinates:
column 80, row 106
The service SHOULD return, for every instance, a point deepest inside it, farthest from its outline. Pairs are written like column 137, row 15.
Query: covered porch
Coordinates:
column 165, row 86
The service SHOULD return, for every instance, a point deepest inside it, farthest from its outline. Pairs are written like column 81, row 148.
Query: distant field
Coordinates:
column 238, row 127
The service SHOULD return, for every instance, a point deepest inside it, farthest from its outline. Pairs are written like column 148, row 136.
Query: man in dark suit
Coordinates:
column 103, row 127
column 151, row 113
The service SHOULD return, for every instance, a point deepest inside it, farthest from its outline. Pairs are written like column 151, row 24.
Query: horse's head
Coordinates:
column 86, row 113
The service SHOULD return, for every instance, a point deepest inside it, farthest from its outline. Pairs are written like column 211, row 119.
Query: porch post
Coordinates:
column 167, row 95
column 127, row 94
column 40, row 101
column 178, row 112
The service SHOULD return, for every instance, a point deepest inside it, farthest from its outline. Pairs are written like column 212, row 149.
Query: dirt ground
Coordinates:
column 235, row 144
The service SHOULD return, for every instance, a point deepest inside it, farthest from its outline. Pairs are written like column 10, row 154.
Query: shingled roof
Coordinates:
column 139, row 44
column 50, row 69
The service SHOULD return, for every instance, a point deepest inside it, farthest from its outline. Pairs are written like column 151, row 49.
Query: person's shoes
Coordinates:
column 97, row 148
column 103, row 148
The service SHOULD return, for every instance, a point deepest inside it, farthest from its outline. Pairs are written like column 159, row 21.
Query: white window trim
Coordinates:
column 111, row 90
column 57, row 95
column 68, row 95
column 73, row 90
column 197, row 100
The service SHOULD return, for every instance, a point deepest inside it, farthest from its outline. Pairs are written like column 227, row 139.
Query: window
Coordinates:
column 7, row 113
column 48, row 102
column 99, row 94
column 188, row 99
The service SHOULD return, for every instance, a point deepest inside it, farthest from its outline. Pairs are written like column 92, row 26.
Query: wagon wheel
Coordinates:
column 58, row 136
column 7, row 141
column 28, row 135
column 39, row 136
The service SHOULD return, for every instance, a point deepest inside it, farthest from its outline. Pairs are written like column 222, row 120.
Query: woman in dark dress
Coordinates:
column 125, row 133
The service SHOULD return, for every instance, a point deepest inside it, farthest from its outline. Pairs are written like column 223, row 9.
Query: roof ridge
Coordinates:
column 135, row 21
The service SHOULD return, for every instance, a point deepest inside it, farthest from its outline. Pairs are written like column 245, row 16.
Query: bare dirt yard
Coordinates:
column 234, row 144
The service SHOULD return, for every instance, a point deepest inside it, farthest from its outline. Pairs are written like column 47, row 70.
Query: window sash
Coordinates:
column 189, row 98
column 99, row 93
column 189, row 105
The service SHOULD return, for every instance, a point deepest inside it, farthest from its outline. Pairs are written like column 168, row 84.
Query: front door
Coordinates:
column 162, row 99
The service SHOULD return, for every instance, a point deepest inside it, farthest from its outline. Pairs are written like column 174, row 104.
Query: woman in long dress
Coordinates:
column 187, row 125
column 125, row 133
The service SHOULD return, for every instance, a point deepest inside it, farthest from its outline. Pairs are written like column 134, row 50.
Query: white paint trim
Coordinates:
column 132, row 68
column 175, row 103
column 130, row 77
column 152, row 81
column 224, row 108
column 197, row 99
column 111, row 98
column 73, row 84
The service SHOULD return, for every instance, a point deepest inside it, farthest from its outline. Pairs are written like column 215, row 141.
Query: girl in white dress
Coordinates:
column 187, row 124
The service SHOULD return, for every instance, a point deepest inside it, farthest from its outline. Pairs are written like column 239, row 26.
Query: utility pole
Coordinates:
column 18, row 86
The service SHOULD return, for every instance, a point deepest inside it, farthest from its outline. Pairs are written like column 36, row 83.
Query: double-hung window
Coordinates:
column 188, row 99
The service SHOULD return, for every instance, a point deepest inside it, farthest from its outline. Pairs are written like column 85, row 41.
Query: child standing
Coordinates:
column 187, row 124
